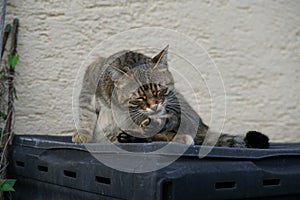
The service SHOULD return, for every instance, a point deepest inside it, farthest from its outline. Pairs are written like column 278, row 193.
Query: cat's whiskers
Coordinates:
column 159, row 110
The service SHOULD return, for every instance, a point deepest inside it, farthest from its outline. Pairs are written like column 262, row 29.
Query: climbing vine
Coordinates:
column 7, row 96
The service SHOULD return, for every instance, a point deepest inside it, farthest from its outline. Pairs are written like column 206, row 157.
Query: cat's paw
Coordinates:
column 152, row 127
column 183, row 139
column 145, row 123
column 125, row 138
column 81, row 138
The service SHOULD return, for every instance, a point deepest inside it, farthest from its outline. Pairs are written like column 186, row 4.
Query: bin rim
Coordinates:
column 50, row 142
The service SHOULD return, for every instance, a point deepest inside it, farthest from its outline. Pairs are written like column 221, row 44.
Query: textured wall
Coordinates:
column 255, row 44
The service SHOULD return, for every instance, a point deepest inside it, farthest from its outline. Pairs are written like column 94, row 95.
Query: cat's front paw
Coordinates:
column 184, row 139
column 145, row 122
column 152, row 126
column 81, row 138
column 125, row 138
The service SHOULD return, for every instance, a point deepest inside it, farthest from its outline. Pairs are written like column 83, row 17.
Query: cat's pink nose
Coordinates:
column 154, row 107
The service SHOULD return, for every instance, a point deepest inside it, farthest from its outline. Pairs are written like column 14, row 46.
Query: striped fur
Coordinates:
column 142, row 87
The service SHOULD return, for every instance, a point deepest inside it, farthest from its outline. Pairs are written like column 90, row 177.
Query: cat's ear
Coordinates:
column 162, row 57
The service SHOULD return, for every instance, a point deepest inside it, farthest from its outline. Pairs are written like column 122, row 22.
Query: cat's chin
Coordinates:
column 159, row 116
column 156, row 113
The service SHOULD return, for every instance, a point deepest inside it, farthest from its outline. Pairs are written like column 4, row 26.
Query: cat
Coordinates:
column 130, row 97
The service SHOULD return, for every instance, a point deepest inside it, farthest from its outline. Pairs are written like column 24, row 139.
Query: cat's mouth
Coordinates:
column 158, row 109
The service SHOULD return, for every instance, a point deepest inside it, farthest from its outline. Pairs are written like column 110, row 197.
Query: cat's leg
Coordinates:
column 88, row 112
column 172, row 137
column 153, row 126
column 157, row 125
column 161, row 137
column 162, row 128
column 123, row 137
column 168, row 128
column 87, row 119
column 85, row 133
column 149, row 126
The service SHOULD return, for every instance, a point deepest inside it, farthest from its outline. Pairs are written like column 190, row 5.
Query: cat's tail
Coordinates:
column 256, row 139
column 253, row 139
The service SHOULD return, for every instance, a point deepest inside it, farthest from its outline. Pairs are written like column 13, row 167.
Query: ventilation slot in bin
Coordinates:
column 167, row 190
column 225, row 185
column 70, row 173
column 20, row 163
column 271, row 182
column 104, row 180
column 42, row 168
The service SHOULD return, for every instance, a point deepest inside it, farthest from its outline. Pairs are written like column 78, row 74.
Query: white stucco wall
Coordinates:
column 255, row 44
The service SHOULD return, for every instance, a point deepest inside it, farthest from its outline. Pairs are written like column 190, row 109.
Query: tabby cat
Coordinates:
column 130, row 97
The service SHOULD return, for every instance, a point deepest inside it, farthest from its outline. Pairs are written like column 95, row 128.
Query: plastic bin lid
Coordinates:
column 64, row 142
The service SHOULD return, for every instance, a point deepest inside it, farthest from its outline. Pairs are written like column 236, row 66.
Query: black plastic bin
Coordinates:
column 51, row 167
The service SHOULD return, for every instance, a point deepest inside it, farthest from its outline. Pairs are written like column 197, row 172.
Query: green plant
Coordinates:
column 7, row 185
column 7, row 94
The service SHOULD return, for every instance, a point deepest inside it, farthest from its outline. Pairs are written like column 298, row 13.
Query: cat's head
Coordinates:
column 145, row 86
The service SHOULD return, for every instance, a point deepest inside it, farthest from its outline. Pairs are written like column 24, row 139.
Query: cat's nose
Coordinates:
column 154, row 107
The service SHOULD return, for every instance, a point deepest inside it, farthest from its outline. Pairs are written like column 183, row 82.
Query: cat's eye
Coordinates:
column 141, row 98
column 136, row 102
column 163, row 92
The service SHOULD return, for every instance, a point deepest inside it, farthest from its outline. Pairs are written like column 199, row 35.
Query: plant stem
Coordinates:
column 10, row 90
column 10, row 109
column 5, row 37
column 2, row 20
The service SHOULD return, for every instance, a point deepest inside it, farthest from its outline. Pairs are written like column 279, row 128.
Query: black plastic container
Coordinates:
column 51, row 167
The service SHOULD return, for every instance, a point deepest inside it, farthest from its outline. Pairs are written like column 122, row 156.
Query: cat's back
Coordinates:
column 125, row 59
